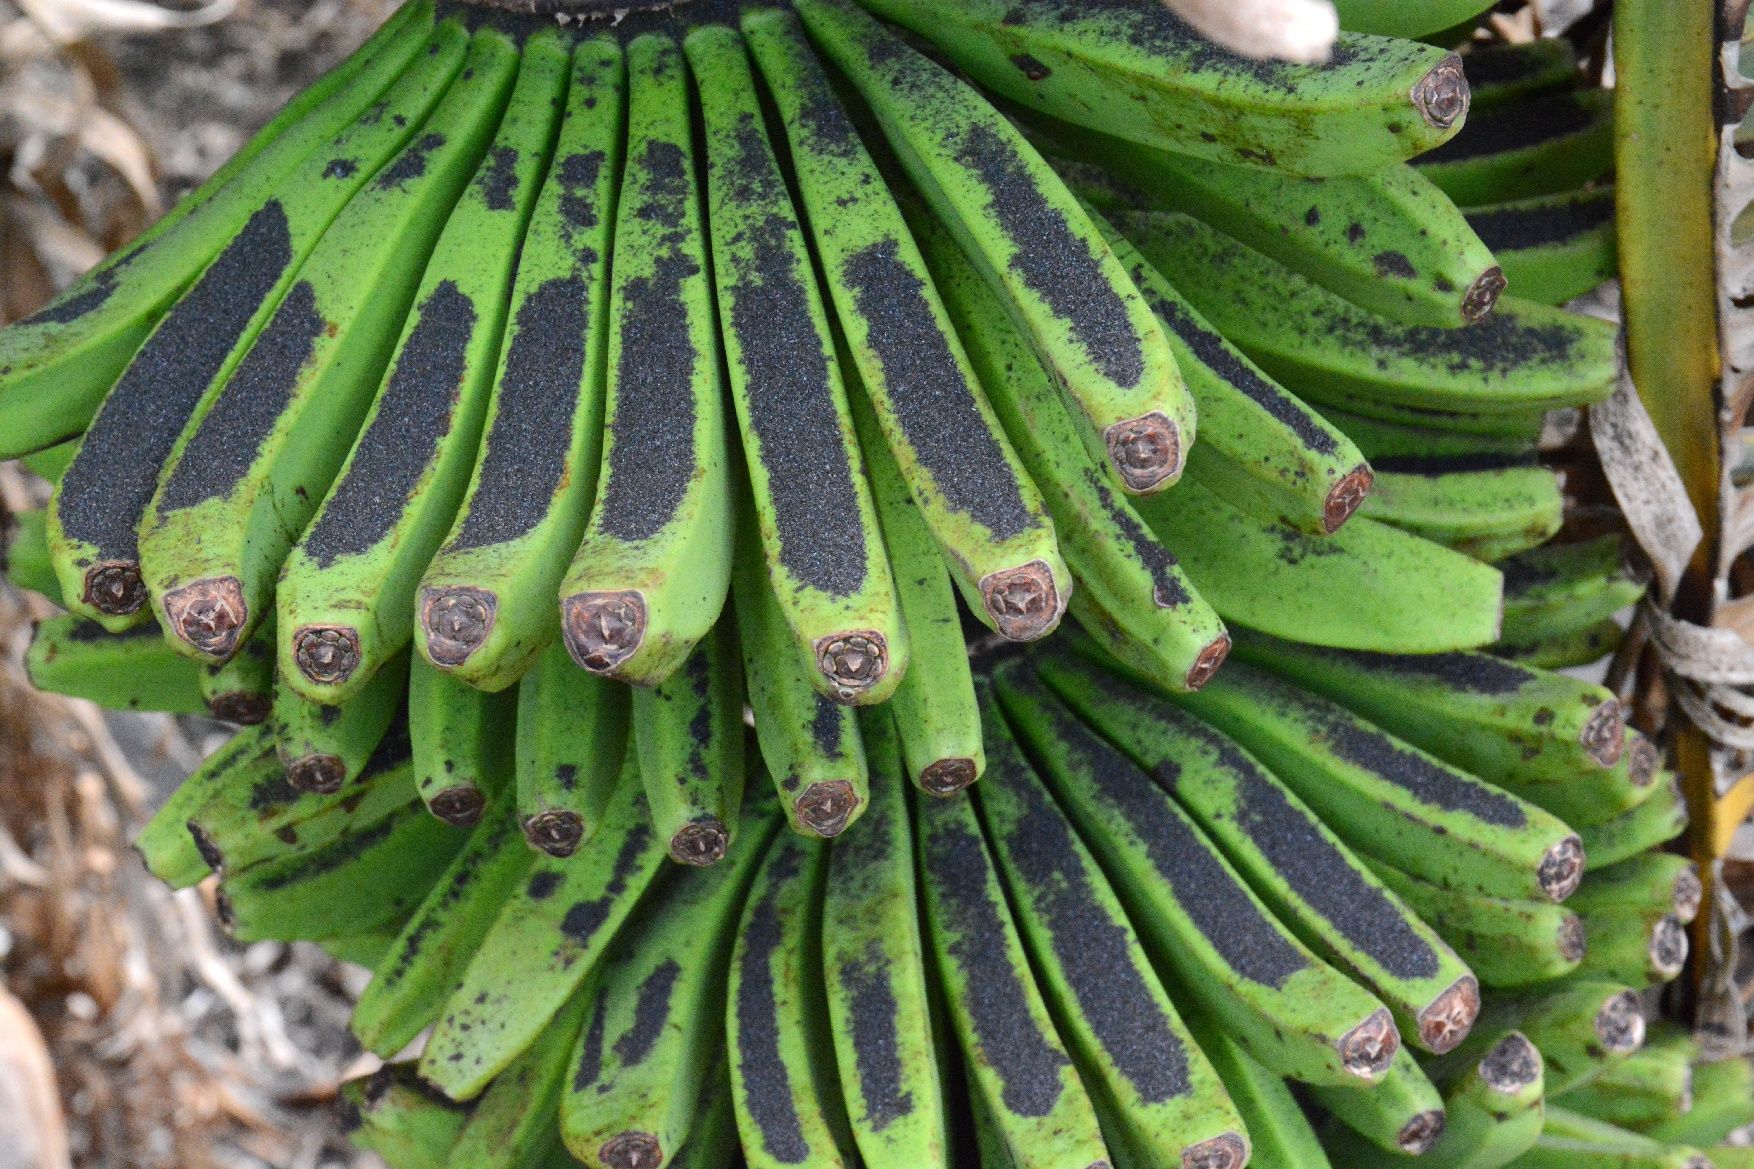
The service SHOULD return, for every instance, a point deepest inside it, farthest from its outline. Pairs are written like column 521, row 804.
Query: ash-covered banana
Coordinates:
column 346, row 594
column 1521, row 357
column 650, row 578
column 1157, row 1095
column 1138, row 70
column 101, row 501
column 248, row 473
column 487, row 601
column 818, row 529
column 1036, row 1106
column 1210, row 937
column 1388, row 799
column 1030, row 239
column 61, row 361
column 930, row 410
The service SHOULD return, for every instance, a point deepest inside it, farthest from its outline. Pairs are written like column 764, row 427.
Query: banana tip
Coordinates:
column 1689, row 894
column 1023, row 602
column 1620, row 1023
column 555, row 831
column 1208, row 662
column 946, row 777
column 1367, row 1050
column 1346, row 497
column 457, row 621
column 1146, row 451
column 1482, row 295
column 1442, row 95
column 603, row 630
column 1604, row 735
column 852, row 662
column 317, row 774
column 1668, row 947
column 826, row 808
column 209, row 615
column 326, row 654
column 701, row 844
column 243, row 707
column 1561, row 869
column 1512, row 1065
column 115, row 588
column 460, row 806
column 1448, row 1019
column 1419, row 1134
column 1225, row 1151
column 631, row 1150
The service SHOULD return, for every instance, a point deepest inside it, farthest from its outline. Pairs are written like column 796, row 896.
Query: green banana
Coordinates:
column 1367, row 586
column 1561, row 651
column 1646, row 1089
column 1639, row 947
column 1117, row 563
column 549, row 936
column 401, row 1118
column 650, row 577
column 1258, row 442
column 1380, row 438
column 1538, row 145
column 571, row 736
column 935, row 707
column 243, row 762
column 134, row 670
column 318, row 893
column 51, row 462
column 27, row 563
column 242, row 690
column 1038, row 1107
column 712, row 1141
column 817, row 527
column 1552, row 247
column 1293, row 862
column 1135, row 69
column 1660, row 818
column 56, row 366
column 1652, row 879
column 1571, row 1141
column 427, row 956
column 1721, row 1091
column 513, row 1124
column 243, row 825
column 1394, row 18
column 1579, row 1029
column 1030, row 240
column 1506, row 942
column 486, row 604
column 810, row 745
column 1500, row 73
column 1402, row 1114
column 926, row 405
column 655, row 1033
column 101, row 500
column 1492, row 1114
column 782, row 1071
column 1157, row 1095
column 250, row 470
column 1388, row 799
column 1279, row 1134
column 1481, row 506
column 346, row 592
column 323, row 747
column 1562, row 587
column 875, row 975
column 1504, row 723
column 458, row 733
column 688, row 731
column 1389, row 242
column 1209, row 936
column 1521, row 357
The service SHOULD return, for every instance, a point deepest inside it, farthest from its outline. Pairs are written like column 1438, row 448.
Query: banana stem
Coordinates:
column 1665, row 156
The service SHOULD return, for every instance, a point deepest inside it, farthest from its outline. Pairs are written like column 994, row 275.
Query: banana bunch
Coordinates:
column 1361, row 873
column 510, row 345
